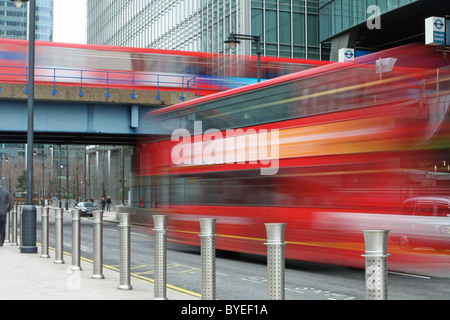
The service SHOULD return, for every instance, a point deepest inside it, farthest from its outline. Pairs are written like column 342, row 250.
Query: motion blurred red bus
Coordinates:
column 354, row 142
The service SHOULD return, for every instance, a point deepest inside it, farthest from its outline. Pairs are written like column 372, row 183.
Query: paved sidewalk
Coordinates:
column 30, row 277
column 110, row 216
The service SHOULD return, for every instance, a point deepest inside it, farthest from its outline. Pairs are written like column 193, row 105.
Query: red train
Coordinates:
column 94, row 64
column 330, row 151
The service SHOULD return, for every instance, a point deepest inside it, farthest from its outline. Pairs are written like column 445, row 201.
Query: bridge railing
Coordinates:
column 199, row 84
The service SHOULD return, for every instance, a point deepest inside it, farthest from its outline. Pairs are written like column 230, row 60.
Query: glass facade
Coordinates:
column 44, row 20
column 144, row 23
column 337, row 16
column 288, row 28
column 13, row 21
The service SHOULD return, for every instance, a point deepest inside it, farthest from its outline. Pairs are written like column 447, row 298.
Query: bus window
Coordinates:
column 442, row 210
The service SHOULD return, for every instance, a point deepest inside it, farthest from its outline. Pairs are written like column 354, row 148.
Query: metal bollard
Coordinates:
column 125, row 254
column 59, row 255
column 76, row 240
column 376, row 264
column 160, row 228
column 208, row 253
column 44, row 232
column 7, row 228
column 98, row 245
column 275, row 260
column 14, row 241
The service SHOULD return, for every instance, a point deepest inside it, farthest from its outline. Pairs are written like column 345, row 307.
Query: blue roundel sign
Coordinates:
column 439, row 24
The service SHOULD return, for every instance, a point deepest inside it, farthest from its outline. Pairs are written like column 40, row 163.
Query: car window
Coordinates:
column 81, row 204
column 443, row 209
column 90, row 204
column 424, row 209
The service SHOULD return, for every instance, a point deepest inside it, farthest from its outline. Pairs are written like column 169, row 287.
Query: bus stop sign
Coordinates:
column 435, row 31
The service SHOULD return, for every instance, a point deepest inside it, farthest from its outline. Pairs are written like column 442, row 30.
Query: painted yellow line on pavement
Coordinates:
column 135, row 275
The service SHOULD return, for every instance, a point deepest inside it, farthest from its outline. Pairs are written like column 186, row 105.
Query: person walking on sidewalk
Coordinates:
column 5, row 207
column 108, row 203
column 103, row 203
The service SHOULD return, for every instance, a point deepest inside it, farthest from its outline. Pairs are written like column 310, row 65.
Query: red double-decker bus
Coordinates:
column 330, row 151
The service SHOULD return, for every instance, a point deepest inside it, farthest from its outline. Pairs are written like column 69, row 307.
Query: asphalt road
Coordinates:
column 244, row 276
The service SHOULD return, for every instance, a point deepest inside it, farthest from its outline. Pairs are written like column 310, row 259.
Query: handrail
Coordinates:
column 119, row 79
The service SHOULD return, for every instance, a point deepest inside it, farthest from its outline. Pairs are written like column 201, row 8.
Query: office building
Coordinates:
column 14, row 21
column 287, row 28
column 311, row 29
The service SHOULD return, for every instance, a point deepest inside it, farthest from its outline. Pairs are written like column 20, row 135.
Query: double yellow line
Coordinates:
column 135, row 275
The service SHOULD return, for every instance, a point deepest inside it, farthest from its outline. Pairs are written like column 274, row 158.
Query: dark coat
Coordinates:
column 5, row 200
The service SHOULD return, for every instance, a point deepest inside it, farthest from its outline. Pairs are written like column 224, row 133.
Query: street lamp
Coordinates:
column 67, row 177
column 123, row 180
column 233, row 40
column 43, row 175
column 9, row 172
column 1, row 166
column 19, row 3
column 28, row 234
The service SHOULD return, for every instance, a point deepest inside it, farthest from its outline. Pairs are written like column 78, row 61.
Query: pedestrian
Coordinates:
column 5, row 207
column 108, row 203
column 103, row 203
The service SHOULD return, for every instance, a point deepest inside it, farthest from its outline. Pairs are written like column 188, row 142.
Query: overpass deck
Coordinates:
column 68, row 118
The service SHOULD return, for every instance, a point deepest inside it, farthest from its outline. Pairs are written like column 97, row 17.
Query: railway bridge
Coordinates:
column 97, row 116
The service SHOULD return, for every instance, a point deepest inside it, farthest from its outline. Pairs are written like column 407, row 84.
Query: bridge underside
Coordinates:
column 64, row 138
column 67, row 118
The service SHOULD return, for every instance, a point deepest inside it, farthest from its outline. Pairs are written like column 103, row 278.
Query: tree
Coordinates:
column 22, row 182
column 53, row 188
